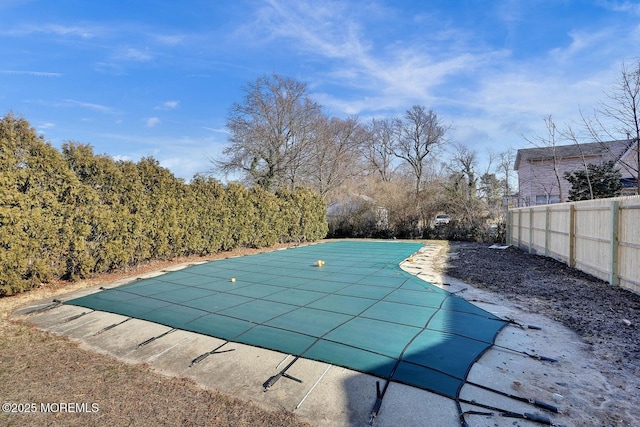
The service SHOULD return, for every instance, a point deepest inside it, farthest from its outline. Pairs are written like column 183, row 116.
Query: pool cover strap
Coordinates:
column 54, row 303
column 113, row 325
column 502, row 413
column 283, row 373
column 157, row 337
column 209, row 353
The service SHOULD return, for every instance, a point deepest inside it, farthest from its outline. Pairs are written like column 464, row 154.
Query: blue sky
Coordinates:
column 157, row 77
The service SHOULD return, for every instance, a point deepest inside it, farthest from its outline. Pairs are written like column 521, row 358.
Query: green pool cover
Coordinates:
column 359, row 310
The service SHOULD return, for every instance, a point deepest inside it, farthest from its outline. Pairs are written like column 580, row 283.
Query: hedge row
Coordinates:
column 71, row 213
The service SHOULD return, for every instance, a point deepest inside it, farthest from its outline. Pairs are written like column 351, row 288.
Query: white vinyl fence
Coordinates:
column 600, row 237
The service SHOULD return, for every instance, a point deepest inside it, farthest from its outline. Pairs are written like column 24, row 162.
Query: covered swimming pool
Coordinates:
column 346, row 303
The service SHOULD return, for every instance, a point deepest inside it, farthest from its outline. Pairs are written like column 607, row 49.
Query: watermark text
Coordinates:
column 50, row 407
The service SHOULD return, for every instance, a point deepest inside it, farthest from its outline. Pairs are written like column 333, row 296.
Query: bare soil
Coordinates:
column 606, row 318
column 588, row 306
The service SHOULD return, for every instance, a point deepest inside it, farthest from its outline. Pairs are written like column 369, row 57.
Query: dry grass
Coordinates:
column 38, row 367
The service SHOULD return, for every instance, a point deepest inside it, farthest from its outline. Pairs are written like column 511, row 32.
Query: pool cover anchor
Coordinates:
column 540, row 419
column 525, row 327
column 77, row 316
column 106, row 328
column 152, row 339
column 524, row 353
column 379, row 396
column 535, row 402
column 209, row 353
column 532, row 356
column 283, row 373
column 55, row 303
column 521, row 325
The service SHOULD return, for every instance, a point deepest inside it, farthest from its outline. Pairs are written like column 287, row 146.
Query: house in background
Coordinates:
column 538, row 168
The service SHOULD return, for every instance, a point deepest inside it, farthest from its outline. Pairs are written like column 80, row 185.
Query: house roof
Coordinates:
column 604, row 151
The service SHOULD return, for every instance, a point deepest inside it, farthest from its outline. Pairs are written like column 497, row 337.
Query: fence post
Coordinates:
column 519, row 228
column 547, row 231
column 614, row 279
column 508, row 227
column 531, row 231
column 572, row 235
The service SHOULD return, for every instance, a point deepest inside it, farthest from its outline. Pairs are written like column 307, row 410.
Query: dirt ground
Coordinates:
column 606, row 318
column 39, row 367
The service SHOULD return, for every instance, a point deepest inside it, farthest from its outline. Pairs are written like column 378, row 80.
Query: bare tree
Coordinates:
column 464, row 162
column 570, row 134
column 377, row 148
column 504, row 168
column 550, row 141
column 335, row 157
column 271, row 132
column 619, row 117
column 462, row 187
column 417, row 134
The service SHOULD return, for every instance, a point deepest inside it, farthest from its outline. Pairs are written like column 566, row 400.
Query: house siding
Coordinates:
column 538, row 178
column 537, row 168
column 629, row 163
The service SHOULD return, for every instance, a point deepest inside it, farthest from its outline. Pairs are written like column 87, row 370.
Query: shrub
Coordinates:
column 72, row 213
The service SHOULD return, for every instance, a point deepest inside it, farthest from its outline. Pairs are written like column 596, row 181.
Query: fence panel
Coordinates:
column 558, row 225
column 592, row 238
column 600, row 237
column 629, row 244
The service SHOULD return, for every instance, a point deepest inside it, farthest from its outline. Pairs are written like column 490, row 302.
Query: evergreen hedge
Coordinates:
column 71, row 213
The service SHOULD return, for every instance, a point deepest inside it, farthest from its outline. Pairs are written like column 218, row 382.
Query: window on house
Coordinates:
column 541, row 200
column 545, row 199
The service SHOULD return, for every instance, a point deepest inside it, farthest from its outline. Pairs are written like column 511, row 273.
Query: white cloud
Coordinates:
column 122, row 158
column 83, row 32
column 153, row 121
column 31, row 73
column 185, row 156
column 90, row 106
column 395, row 76
column 109, row 68
column 485, row 89
column 169, row 40
column 224, row 131
column 583, row 42
column 622, row 6
column 469, row 135
column 168, row 105
column 185, row 166
column 54, row 29
column 132, row 54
